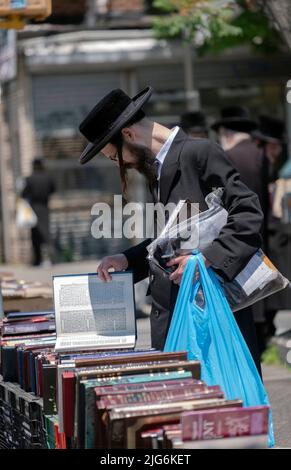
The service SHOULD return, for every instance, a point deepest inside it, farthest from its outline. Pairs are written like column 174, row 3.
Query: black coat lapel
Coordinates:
column 170, row 166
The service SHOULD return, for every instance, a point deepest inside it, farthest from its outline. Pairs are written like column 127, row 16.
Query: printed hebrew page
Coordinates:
column 92, row 314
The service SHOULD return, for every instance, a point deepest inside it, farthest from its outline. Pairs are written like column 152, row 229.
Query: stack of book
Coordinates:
column 27, row 340
column 18, row 294
column 236, row 427
column 86, row 386
column 18, row 289
column 121, row 399
column 21, row 419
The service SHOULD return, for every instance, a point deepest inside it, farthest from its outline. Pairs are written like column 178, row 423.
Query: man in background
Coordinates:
column 194, row 124
column 38, row 189
column 234, row 131
column 270, row 138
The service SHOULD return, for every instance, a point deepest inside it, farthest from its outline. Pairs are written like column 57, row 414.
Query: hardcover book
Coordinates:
column 124, row 426
column 217, row 424
column 91, row 314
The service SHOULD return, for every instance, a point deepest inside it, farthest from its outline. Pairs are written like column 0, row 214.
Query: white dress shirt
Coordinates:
column 164, row 151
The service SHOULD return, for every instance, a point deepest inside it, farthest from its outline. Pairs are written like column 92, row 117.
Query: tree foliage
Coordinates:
column 214, row 25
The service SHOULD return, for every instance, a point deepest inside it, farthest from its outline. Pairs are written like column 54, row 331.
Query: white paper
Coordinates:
column 255, row 275
column 92, row 314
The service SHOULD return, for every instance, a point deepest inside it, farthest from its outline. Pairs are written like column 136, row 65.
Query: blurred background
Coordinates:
column 53, row 72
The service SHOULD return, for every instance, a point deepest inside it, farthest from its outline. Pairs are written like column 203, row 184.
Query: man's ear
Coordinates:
column 128, row 134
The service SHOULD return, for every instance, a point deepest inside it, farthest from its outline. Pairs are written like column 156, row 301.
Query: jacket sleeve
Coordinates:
column 240, row 238
column 137, row 260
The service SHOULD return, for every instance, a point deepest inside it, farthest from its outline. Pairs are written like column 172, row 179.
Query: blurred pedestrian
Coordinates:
column 270, row 138
column 37, row 190
column 194, row 124
column 234, row 130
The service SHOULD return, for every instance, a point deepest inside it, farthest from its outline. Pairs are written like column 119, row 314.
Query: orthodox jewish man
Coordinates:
column 176, row 167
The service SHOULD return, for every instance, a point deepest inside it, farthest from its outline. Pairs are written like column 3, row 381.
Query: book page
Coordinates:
column 91, row 313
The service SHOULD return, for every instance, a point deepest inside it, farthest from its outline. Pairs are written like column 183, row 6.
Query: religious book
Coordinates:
column 148, row 398
column 49, row 373
column 158, row 395
column 140, row 368
column 22, row 316
column 241, row 442
column 124, row 426
column 147, row 386
column 111, row 385
column 132, row 358
column 217, row 424
column 28, row 327
column 68, row 392
column 91, row 314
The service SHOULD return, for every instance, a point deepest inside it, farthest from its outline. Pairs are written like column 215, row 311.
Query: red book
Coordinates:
column 68, row 391
column 221, row 423
column 144, row 386
column 158, row 395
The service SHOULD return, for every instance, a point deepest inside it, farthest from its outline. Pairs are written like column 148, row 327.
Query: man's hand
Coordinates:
column 181, row 261
column 117, row 262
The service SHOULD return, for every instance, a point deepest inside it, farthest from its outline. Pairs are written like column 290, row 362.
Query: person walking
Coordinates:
column 39, row 187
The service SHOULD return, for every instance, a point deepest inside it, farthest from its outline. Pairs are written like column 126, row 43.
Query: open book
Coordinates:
column 92, row 314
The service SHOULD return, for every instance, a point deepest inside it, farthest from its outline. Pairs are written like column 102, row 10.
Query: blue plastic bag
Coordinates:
column 211, row 335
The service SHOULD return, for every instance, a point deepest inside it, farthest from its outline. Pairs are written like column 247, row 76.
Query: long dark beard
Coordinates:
column 144, row 159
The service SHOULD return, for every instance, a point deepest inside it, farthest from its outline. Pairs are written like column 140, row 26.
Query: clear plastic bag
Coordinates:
column 256, row 281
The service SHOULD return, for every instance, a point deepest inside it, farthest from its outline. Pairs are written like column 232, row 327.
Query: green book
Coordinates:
column 87, row 403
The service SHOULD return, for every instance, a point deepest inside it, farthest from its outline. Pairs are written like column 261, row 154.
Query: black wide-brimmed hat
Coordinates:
column 270, row 130
column 235, row 118
column 194, row 121
column 108, row 117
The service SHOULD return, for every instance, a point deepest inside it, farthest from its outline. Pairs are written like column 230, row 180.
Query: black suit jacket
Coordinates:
column 192, row 168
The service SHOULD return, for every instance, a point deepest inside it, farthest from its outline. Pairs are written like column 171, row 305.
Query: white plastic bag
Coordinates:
column 256, row 281
column 25, row 215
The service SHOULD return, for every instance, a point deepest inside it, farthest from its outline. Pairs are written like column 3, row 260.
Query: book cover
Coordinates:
column 154, row 384
column 9, row 363
column 158, row 396
column 26, row 328
column 148, row 398
column 92, row 387
column 49, row 388
column 217, row 424
column 242, row 442
column 132, row 358
column 124, row 426
column 68, row 392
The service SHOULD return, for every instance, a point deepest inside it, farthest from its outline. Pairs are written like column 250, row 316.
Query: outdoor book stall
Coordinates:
column 72, row 378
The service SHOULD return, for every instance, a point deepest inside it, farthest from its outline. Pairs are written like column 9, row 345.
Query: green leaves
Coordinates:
column 214, row 25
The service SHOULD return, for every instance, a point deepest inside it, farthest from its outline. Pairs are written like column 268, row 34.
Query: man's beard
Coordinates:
column 144, row 159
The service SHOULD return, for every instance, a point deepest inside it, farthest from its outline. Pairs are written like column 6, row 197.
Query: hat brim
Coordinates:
column 266, row 138
column 94, row 147
column 235, row 124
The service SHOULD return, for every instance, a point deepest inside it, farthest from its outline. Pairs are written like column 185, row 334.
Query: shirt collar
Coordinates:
column 166, row 147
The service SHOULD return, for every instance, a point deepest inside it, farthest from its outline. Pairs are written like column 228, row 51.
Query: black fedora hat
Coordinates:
column 270, row 130
column 235, row 118
column 194, row 121
column 108, row 117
